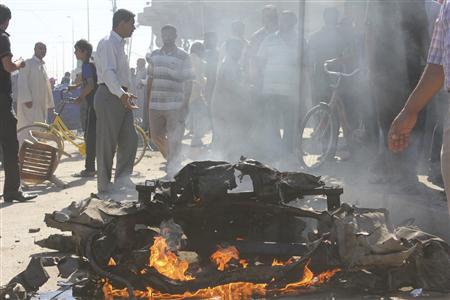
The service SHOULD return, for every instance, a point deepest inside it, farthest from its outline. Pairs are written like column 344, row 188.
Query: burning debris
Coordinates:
column 195, row 237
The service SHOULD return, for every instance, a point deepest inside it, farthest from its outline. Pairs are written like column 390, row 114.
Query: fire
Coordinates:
column 309, row 280
column 243, row 263
column 223, row 256
column 166, row 262
column 237, row 290
column 277, row 262
column 112, row 262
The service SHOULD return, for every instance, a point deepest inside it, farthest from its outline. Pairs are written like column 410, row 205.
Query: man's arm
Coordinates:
column 149, row 83
column 86, row 90
column 11, row 66
column 189, row 76
column 187, row 91
column 106, row 57
column 6, row 56
column 149, row 88
column 429, row 85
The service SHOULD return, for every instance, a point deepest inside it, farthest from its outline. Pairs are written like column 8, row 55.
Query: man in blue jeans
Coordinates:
column 83, row 51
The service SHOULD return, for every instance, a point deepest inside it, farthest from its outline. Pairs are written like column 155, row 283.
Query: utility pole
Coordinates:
column 56, row 62
column 114, row 6
column 73, row 41
column 301, row 53
column 88, row 25
column 63, row 56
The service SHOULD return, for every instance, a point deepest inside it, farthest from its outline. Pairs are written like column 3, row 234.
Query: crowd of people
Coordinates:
column 249, row 94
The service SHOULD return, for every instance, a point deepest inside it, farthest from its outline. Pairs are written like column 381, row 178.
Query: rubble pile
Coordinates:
column 198, row 237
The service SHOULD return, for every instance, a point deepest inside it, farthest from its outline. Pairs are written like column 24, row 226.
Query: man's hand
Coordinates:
column 127, row 101
column 78, row 100
column 29, row 104
column 400, row 131
column 20, row 63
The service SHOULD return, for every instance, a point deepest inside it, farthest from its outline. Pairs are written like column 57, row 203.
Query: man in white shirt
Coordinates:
column 113, row 106
column 278, row 56
column 35, row 95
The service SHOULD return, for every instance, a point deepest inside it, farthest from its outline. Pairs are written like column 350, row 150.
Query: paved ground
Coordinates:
column 427, row 208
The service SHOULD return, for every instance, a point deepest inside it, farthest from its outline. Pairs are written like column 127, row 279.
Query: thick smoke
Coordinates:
column 387, row 40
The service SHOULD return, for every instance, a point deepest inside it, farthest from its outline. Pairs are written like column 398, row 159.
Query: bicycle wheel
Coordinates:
column 141, row 145
column 317, row 137
column 41, row 133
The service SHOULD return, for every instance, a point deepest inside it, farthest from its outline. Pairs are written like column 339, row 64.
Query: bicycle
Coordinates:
column 324, row 124
column 56, row 133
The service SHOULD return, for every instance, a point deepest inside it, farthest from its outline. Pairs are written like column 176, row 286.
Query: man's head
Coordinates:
column 288, row 21
column 67, row 74
column 140, row 63
column 331, row 16
column 270, row 17
column 83, row 50
column 123, row 23
column 198, row 49
column 40, row 50
column 168, row 35
column 132, row 71
column 5, row 16
column 238, row 29
column 210, row 40
column 234, row 48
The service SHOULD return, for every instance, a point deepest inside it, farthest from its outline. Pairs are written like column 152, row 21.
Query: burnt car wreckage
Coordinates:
column 199, row 213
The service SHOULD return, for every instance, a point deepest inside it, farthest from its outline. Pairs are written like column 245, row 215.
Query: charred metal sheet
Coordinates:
column 13, row 291
column 33, row 277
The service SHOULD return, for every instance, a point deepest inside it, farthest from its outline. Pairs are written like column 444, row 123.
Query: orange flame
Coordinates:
column 223, row 256
column 243, row 263
column 277, row 262
column 112, row 262
column 166, row 262
column 237, row 290
column 309, row 280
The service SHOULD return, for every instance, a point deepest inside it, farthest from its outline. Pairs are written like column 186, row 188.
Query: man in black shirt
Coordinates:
column 8, row 121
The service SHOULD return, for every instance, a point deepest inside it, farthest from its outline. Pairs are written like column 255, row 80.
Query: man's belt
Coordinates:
column 123, row 87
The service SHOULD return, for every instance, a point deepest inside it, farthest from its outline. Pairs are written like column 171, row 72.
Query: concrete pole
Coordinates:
column 114, row 4
column 88, row 22
column 301, row 54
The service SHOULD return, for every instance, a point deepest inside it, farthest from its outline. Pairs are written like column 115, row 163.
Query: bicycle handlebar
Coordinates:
column 340, row 74
column 69, row 99
column 65, row 100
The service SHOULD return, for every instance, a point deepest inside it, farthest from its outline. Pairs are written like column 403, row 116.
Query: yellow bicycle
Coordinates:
column 56, row 133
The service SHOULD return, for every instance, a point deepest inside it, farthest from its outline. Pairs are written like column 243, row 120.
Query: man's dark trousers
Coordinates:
column 90, row 136
column 10, row 146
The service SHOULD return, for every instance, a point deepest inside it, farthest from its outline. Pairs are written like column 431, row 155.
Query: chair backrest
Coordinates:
column 38, row 162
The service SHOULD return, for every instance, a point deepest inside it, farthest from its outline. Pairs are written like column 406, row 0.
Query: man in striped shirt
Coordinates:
column 169, row 89
column 435, row 75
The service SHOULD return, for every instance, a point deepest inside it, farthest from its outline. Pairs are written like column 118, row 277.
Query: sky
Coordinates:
column 50, row 21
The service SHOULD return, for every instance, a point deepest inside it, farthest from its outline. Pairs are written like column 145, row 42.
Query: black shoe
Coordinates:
column 436, row 179
column 85, row 174
column 21, row 197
